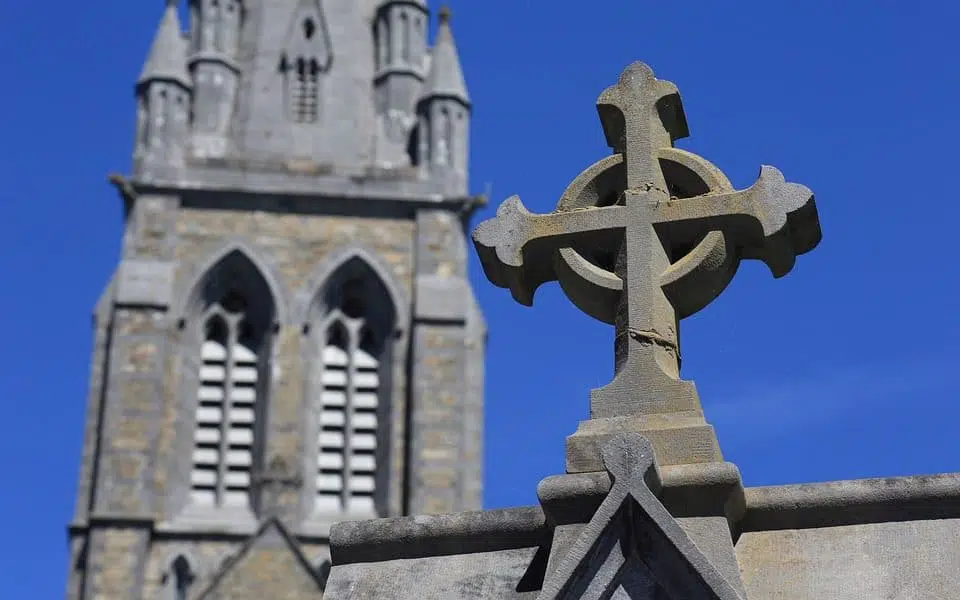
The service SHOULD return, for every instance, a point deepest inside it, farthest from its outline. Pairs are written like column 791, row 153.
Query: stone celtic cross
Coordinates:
column 646, row 237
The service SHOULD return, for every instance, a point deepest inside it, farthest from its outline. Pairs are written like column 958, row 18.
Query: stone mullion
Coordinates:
column 353, row 328
column 317, row 387
column 228, row 375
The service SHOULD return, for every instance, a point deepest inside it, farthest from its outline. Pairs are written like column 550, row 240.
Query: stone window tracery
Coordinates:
column 305, row 91
column 347, row 416
column 351, row 394
column 232, row 328
column 226, row 409
column 303, row 65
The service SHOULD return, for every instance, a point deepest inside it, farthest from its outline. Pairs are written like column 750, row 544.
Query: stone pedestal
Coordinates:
column 678, row 438
column 706, row 499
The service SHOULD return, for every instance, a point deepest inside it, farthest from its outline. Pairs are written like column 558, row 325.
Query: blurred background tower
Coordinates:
column 289, row 338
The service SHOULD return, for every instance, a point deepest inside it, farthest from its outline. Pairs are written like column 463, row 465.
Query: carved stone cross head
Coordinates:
column 646, row 237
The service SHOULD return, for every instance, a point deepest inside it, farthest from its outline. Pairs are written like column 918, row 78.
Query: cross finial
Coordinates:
column 644, row 238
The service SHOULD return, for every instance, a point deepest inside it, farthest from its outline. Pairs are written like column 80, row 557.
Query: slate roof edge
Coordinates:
column 853, row 502
column 438, row 535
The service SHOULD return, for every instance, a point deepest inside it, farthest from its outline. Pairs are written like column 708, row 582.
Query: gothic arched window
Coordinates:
column 305, row 59
column 178, row 579
column 233, row 327
column 305, row 91
column 352, row 392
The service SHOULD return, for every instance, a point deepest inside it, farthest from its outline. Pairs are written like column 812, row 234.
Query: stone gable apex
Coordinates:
column 633, row 547
column 271, row 562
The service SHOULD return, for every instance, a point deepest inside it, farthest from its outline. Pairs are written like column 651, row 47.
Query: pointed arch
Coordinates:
column 188, row 298
column 306, row 304
column 304, row 60
column 179, row 577
column 228, row 317
column 353, row 321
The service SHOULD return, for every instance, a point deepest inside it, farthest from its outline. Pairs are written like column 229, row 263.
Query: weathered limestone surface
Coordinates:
column 470, row 576
column 909, row 559
column 271, row 565
column 883, row 538
column 632, row 546
column 118, row 555
column 640, row 240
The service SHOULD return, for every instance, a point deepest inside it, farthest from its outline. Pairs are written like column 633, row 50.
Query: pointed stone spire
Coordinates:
column 168, row 54
column 446, row 77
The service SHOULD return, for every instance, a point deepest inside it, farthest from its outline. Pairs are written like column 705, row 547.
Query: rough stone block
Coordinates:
column 441, row 298
column 145, row 283
column 676, row 438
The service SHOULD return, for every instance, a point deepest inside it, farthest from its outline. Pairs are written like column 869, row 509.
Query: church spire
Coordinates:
column 446, row 77
column 164, row 91
column 444, row 130
column 167, row 59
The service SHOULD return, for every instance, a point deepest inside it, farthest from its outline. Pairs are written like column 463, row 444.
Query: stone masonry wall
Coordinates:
column 438, row 436
column 291, row 248
column 143, row 468
column 131, row 421
column 205, row 557
column 115, row 563
column 267, row 571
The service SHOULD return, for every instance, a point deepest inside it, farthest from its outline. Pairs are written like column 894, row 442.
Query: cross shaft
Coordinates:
column 676, row 231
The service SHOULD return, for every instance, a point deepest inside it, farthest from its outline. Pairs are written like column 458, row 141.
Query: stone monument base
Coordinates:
column 677, row 438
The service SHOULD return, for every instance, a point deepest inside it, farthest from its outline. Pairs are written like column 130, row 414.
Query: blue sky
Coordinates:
column 843, row 369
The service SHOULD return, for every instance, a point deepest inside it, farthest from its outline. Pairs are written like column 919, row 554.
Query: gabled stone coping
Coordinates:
column 852, row 502
column 438, row 535
column 573, row 498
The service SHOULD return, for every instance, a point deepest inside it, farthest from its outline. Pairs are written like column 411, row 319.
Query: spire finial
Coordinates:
column 444, row 14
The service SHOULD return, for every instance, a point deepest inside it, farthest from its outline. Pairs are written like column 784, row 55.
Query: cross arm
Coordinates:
column 773, row 221
column 517, row 247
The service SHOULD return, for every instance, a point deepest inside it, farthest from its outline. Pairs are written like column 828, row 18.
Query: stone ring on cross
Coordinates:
column 652, row 233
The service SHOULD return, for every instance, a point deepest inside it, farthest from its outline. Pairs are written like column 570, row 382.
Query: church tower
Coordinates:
column 289, row 338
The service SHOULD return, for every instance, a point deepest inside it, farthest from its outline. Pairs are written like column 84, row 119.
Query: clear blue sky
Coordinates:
column 843, row 369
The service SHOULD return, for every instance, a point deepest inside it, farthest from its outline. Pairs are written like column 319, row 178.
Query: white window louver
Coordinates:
column 347, row 432
column 224, row 432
